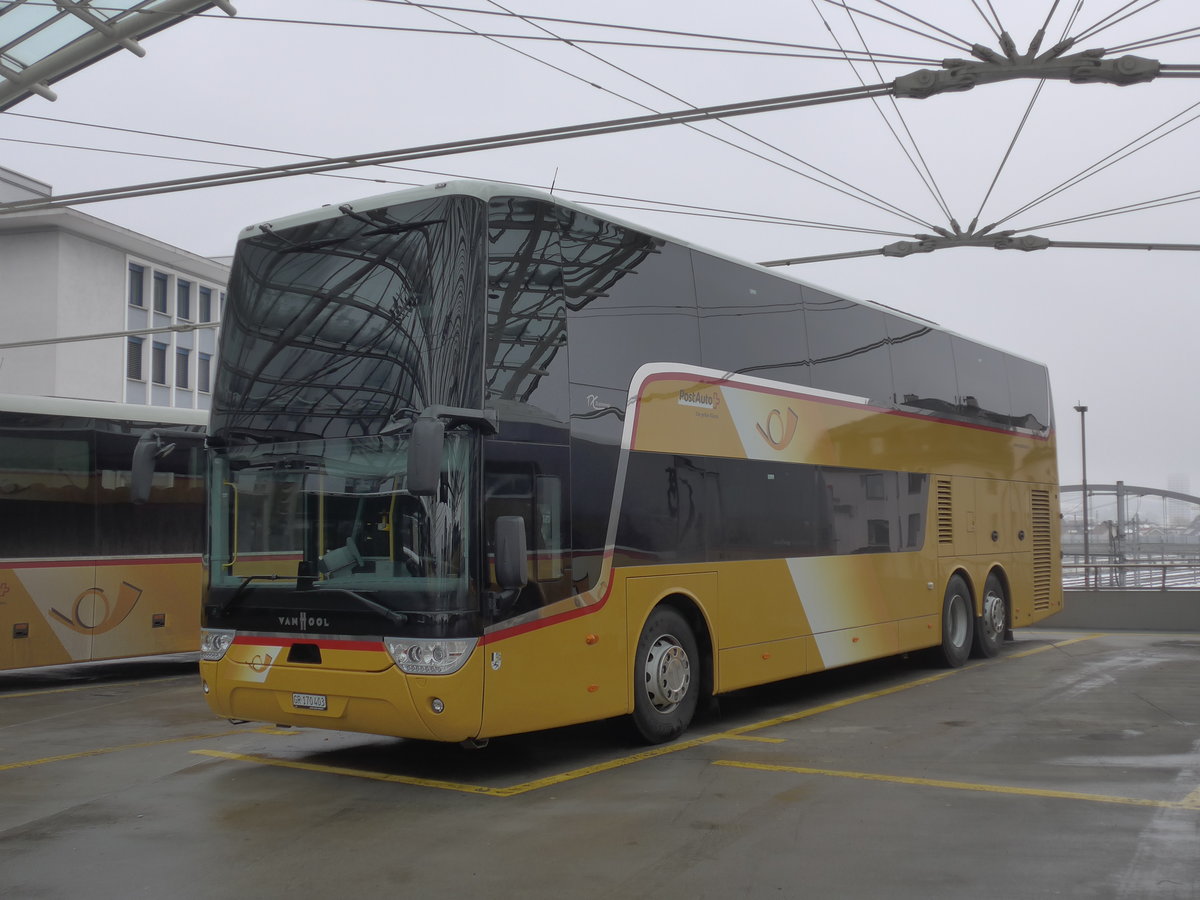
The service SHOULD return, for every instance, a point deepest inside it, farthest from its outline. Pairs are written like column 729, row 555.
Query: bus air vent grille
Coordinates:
column 945, row 512
column 1043, row 549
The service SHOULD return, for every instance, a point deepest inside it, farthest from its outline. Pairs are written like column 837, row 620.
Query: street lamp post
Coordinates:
column 1087, row 580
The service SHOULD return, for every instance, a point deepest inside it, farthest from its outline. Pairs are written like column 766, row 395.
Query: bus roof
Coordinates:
column 101, row 409
column 487, row 190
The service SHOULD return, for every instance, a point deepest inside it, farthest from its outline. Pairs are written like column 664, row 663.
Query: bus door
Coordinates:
column 538, row 665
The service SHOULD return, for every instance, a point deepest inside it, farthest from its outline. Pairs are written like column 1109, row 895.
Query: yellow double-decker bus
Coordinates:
column 84, row 575
column 486, row 462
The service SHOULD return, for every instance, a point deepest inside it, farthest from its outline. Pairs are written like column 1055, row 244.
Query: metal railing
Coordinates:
column 1162, row 575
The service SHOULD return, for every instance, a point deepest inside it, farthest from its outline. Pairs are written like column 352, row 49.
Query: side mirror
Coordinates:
column 425, row 457
column 141, row 473
column 512, row 564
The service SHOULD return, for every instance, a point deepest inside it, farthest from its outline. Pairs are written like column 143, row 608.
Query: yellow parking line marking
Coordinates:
column 741, row 733
column 582, row 772
column 1192, row 800
column 840, row 704
column 1053, row 645
column 94, row 686
column 101, row 751
column 1187, row 803
column 729, row 736
column 341, row 770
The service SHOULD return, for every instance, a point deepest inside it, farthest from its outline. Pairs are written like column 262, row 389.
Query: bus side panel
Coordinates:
column 27, row 634
column 76, row 612
column 560, row 673
column 150, row 608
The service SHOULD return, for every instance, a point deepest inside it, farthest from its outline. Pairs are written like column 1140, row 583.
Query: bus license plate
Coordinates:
column 310, row 701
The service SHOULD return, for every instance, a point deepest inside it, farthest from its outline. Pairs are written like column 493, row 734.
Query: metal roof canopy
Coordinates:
column 42, row 41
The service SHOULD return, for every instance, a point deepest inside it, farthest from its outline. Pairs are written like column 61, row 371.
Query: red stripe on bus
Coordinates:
column 565, row 616
column 83, row 563
column 323, row 643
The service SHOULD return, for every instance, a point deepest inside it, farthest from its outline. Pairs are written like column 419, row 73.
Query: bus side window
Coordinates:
column 514, row 490
column 548, row 543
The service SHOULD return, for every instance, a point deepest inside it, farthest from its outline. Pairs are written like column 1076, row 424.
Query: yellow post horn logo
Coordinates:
column 777, row 433
column 102, row 615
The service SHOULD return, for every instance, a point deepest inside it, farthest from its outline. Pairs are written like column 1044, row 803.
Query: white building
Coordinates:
column 65, row 274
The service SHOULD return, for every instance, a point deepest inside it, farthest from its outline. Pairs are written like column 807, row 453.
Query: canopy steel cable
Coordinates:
column 880, row 203
column 1102, row 26
column 493, row 142
column 1169, row 200
column 1050, row 14
column 923, row 171
column 1037, row 92
column 757, row 218
column 961, row 45
column 1021, row 125
column 141, row 154
column 1103, row 163
column 1184, row 34
column 996, row 15
column 874, row 201
column 986, row 20
column 1084, row 174
column 680, row 208
column 1071, row 21
column 887, row 57
column 821, row 52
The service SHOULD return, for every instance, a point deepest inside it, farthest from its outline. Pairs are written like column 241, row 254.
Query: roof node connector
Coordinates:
column 1087, row 67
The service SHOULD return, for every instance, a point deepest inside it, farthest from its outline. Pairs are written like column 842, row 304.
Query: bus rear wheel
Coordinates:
column 991, row 626
column 957, row 623
column 666, row 677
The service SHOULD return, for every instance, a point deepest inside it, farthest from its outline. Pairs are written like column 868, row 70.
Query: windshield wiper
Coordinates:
column 398, row 617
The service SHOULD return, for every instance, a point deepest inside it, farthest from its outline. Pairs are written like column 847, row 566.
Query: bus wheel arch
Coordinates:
column 671, row 669
column 958, row 621
column 993, row 621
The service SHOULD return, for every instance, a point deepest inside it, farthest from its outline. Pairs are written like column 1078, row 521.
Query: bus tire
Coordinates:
column 992, row 625
column 666, row 677
column 957, row 623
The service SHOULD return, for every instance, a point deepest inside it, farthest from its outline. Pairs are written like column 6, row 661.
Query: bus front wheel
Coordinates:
column 957, row 623
column 666, row 677
column 990, row 627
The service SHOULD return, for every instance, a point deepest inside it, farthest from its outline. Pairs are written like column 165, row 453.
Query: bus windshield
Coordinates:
column 336, row 513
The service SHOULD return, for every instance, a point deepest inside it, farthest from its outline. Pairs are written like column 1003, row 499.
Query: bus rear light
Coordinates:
column 214, row 642
column 430, row 656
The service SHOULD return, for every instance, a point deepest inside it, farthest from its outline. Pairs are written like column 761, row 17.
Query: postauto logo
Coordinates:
column 710, row 399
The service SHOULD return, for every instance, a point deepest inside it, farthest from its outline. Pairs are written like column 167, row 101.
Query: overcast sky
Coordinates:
column 1117, row 328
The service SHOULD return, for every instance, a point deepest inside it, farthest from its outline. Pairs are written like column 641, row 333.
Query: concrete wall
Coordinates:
column 29, row 273
column 1128, row 611
column 64, row 273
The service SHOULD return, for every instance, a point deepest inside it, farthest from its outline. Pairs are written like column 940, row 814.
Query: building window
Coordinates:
column 183, row 299
column 203, row 372
column 137, row 285
column 160, row 292
column 182, row 357
column 158, row 363
column 133, row 359
column 205, row 304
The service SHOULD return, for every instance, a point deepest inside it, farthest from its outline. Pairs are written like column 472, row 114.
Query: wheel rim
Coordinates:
column 668, row 673
column 959, row 621
column 993, row 613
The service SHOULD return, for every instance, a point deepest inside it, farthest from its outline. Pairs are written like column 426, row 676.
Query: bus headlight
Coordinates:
column 430, row 656
column 214, row 642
